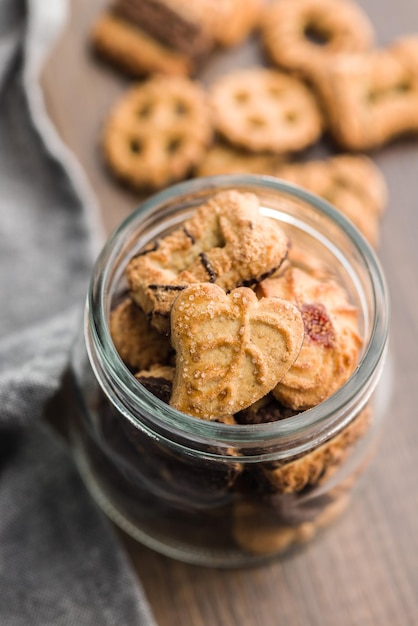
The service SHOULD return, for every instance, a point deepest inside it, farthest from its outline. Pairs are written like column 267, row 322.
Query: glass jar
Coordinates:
column 212, row 493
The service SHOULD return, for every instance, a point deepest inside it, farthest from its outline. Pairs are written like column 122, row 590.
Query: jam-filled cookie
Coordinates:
column 332, row 340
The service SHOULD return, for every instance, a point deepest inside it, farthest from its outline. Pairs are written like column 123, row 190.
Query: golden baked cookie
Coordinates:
column 300, row 36
column 332, row 343
column 158, row 379
column 157, row 132
column 371, row 98
column 352, row 183
column 139, row 345
column 222, row 158
column 317, row 466
column 265, row 410
column 227, row 242
column 133, row 51
column 181, row 25
column 281, row 515
column 231, row 349
column 235, row 19
column 265, row 110
column 259, row 530
column 306, row 260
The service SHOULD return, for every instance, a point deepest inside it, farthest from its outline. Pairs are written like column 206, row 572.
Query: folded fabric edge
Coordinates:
column 28, row 357
column 45, row 22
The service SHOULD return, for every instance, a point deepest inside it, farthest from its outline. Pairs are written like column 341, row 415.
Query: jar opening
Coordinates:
column 318, row 225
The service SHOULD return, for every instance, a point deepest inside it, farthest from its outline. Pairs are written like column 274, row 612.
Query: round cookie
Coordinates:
column 157, row 132
column 300, row 36
column 332, row 342
column 223, row 158
column 352, row 183
column 265, row 110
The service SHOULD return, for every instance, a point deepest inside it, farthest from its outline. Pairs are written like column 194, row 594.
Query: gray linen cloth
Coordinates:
column 60, row 562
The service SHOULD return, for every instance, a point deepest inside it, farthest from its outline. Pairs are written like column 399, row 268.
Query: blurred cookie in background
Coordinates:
column 141, row 37
column 352, row 183
column 158, row 132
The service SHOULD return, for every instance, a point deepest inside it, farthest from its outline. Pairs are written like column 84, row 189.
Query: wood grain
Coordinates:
column 364, row 570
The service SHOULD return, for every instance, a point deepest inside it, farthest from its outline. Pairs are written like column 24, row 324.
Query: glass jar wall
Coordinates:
column 213, row 493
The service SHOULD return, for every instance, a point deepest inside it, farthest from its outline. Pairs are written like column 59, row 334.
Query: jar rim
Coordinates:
column 303, row 423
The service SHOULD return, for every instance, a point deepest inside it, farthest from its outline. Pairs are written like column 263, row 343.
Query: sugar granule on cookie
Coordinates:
column 265, row 110
column 157, row 132
column 227, row 242
column 300, row 36
column 231, row 349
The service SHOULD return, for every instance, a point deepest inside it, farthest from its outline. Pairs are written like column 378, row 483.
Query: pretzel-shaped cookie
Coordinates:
column 261, row 109
column 371, row 98
column 227, row 242
column 157, row 132
column 300, row 36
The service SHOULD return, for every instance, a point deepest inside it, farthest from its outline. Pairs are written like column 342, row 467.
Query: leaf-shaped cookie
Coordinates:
column 231, row 349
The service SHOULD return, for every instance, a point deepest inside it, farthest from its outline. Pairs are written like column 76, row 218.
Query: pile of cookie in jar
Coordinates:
column 322, row 76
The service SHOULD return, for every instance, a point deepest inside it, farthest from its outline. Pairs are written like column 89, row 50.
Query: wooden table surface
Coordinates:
column 364, row 570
